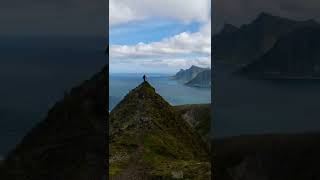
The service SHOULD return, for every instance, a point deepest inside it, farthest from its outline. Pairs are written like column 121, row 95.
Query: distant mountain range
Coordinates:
column 194, row 76
column 271, row 47
column 296, row 55
column 188, row 74
column 149, row 138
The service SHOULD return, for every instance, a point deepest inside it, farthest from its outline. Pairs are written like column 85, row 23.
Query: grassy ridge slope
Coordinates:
column 150, row 139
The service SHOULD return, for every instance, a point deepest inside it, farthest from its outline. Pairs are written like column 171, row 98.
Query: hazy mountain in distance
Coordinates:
column 150, row 139
column 69, row 143
column 250, row 41
column 296, row 55
column 202, row 79
column 188, row 74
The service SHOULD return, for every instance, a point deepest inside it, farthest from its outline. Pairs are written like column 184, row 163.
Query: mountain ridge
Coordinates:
column 69, row 142
column 145, row 131
column 188, row 74
column 293, row 56
column 252, row 40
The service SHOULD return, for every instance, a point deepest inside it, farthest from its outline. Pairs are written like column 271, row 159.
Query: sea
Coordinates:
column 173, row 91
column 246, row 106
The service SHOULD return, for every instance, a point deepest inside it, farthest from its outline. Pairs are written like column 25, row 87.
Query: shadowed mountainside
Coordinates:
column 296, row 55
column 249, row 42
column 69, row 143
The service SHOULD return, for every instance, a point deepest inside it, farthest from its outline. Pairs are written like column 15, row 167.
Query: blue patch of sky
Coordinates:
column 147, row 31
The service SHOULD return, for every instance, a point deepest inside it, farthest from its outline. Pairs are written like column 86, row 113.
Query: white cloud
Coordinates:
column 169, row 54
column 185, row 43
column 122, row 11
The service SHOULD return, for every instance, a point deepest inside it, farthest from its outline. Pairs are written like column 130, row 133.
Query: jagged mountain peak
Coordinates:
column 253, row 40
column 194, row 66
column 264, row 15
column 265, row 18
column 229, row 28
column 268, row 18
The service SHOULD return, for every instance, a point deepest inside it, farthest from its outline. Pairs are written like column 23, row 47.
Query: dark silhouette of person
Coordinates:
column 144, row 78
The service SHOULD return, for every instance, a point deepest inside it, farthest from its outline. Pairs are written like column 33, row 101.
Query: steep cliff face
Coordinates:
column 202, row 79
column 244, row 44
column 295, row 55
column 188, row 74
column 70, row 143
column 149, row 139
column 267, row 157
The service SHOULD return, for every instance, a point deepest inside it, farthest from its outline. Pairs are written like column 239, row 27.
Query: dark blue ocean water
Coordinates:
column 175, row 92
column 256, row 106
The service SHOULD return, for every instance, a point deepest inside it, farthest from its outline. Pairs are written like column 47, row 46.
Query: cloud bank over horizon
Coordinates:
column 170, row 52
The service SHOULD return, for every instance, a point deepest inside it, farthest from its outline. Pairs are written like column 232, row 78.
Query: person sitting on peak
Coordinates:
column 144, row 78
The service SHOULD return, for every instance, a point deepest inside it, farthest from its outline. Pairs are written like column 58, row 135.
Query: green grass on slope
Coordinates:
column 167, row 156
column 144, row 126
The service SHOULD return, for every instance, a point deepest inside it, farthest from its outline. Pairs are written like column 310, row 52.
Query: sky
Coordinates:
column 159, row 36
column 20, row 18
column 239, row 12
